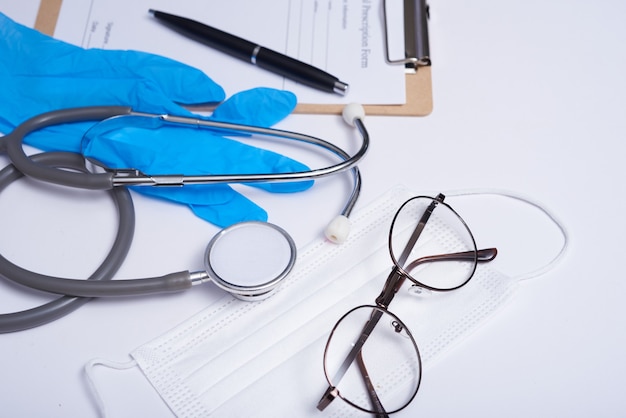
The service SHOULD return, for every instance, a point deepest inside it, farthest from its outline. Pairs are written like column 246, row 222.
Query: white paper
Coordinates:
column 342, row 37
column 23, row 11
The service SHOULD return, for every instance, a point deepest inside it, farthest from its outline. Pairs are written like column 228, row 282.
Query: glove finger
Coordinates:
column 74, row 84
column 67, row 137
column 147, row 145
column 258, row 107
column 218, row 204
column 39, row 73
column 35, row 53
column 237, row 210
column 27, row 47
column 179, row 82
column 196, row 194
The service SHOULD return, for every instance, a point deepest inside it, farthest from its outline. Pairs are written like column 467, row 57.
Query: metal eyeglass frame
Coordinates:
column 392, row 285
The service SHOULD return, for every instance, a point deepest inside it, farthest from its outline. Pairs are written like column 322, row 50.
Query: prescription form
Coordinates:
column 343, row 37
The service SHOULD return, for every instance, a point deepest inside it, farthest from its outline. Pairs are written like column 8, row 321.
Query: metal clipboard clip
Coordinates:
column 416, row 44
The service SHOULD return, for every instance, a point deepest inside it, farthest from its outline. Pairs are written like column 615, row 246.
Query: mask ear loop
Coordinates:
column 91, row 382
column 538, row 205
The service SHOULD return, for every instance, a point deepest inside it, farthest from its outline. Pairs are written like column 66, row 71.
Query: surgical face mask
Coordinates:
column 264, row 358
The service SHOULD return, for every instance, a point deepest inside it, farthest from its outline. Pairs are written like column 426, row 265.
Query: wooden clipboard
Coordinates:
column 419, row 99
column 419, row 96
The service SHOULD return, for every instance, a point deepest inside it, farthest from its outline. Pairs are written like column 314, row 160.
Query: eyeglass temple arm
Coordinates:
column 396, row 277
column 371, row 390
column 482, row 256
column 332, row 392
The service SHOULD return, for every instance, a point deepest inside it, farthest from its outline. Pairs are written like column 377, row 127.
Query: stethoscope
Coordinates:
column 248, row 259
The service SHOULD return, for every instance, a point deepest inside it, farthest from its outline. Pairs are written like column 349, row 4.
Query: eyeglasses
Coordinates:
column 371, row 359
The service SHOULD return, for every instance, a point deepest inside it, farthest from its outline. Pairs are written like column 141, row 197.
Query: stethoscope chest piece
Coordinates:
column 250, row 259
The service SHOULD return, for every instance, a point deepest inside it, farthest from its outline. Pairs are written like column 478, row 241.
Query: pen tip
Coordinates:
column 151, row 11
column 340, row 88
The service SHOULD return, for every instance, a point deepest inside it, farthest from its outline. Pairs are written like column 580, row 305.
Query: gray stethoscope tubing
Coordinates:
column 51, row 167
column 353, row 115
column 64, row 305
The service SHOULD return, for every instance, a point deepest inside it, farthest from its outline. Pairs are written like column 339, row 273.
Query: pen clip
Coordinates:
column 416, row 43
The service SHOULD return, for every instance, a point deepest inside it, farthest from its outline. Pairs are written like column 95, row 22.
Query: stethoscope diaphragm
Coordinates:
column 250, row 259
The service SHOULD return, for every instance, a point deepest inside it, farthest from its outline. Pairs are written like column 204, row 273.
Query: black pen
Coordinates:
column 249, row 51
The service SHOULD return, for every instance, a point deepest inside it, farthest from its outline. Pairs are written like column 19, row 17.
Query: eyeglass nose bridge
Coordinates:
column 394, row 282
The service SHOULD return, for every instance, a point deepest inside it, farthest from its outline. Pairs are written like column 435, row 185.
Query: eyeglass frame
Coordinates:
column 393, row 283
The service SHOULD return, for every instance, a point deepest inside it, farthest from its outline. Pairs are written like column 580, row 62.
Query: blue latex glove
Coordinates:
column 178, row 149
column 39, row 74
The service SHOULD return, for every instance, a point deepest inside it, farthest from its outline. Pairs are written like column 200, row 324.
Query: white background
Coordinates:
column 529, row 96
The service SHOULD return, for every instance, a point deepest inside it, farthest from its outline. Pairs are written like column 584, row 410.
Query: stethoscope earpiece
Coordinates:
column 352, row 112
column 338, row 229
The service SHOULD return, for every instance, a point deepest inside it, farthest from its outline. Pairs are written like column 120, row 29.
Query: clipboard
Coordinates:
column 419, row 96
column 418, row 84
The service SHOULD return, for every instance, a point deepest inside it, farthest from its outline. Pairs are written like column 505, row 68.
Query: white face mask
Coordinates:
column 264, row 358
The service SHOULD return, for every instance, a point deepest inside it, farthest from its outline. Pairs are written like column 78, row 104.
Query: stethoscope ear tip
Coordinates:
column 338, row 230
column 352, row 112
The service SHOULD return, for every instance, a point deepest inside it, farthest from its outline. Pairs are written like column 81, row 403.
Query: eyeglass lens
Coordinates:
column 386, row 372
column 432, row 245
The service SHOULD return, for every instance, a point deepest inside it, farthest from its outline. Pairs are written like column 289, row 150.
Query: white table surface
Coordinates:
column 529, row 97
